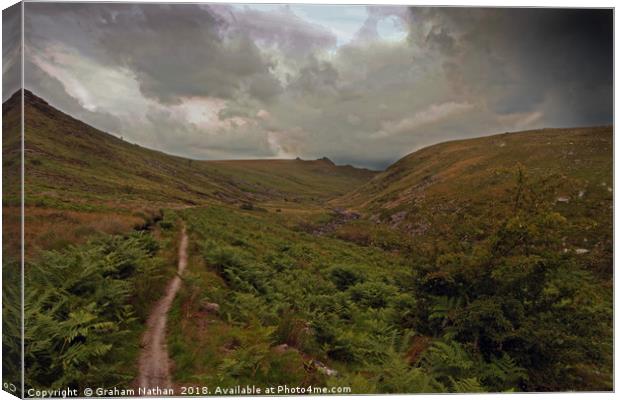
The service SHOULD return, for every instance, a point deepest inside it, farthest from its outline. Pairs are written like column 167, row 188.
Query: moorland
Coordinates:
column 473, row 265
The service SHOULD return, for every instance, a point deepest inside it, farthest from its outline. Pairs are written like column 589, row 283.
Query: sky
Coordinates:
column 362, row 85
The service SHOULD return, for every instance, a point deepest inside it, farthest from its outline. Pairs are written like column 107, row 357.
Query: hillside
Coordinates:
column 582, row 157
column 69, row 163
column 81, row 181
column 445, row 184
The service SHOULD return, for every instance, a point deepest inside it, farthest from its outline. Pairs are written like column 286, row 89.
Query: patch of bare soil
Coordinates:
column 154, row 363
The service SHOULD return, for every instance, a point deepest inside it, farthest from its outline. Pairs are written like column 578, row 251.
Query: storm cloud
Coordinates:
column 361, row 85
column 558, row 62
column 11, row 51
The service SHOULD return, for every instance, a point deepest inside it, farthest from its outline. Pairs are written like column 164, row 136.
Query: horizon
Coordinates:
column 320, row 158
column 361, row 85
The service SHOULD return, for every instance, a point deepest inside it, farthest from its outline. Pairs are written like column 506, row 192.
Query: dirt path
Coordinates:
column 154, row 364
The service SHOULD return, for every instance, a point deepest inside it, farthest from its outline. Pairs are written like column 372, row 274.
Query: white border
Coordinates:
column 477, row 3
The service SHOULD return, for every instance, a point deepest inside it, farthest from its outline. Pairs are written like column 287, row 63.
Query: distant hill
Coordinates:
column 69, row 163
column 478, row 178
column 466, row 170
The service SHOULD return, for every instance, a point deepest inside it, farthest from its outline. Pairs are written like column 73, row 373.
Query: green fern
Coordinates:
column 78, row 314
column 466, row 385
column 444, row 308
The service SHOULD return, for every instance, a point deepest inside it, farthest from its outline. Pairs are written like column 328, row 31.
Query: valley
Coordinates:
column 479, row 265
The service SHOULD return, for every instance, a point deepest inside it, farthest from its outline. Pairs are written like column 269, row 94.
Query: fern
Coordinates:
column 466, row 385
column 502, row 373
column 448, row 357
column 445, row 308
column 78, row 312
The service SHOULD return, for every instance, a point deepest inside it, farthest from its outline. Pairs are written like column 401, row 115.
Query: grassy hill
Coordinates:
column 68, row 161
column 80, row 180
column 466, row 170
column 570, row 169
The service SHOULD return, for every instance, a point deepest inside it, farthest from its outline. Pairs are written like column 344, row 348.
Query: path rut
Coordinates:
column 154, row 363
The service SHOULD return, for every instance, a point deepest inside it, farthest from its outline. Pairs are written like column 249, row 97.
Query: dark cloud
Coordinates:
column 554, row 60
column 175, row 51
column 11, row 50
column 264, row 87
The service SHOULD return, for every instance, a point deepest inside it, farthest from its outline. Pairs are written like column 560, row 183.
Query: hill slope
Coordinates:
column 582, row 156
column 69, row 162
column 571, row 169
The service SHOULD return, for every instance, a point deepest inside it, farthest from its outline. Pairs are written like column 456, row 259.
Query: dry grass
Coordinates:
column 52, row 229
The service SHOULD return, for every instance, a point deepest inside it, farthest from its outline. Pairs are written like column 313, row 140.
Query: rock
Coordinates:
column 582, row 251
column 340, row 217
column 324, row 369
column 210, row 307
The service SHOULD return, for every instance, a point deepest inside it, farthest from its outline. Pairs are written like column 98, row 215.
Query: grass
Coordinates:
column 81, row 181
column 72, row 164
column 473, row 168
